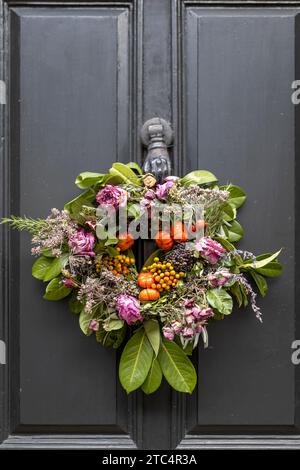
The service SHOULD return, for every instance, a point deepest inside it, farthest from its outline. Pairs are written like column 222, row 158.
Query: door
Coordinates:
column 80, row 81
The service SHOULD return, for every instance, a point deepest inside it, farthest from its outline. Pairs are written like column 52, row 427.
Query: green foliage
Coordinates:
column 198, row 177
column 225, row 243
column 220, row 300
column 135, row 361
column 113, row 323
column 177, row 367
column 273, row 269
column 135, row 167
column 153, row 334
column 87, row 179
column 56, row 266
column 235, row 231
column 111, row 339
column 154, row 378
column 238, row 291
column 48, row 253
column 237, row 196
column 84, row 321
column 229, row 212
column 188, row 349
column 150, row 259
column 75, row 306
column 55, row 290
column 264, row 261
column 84, row 199
column 40, row 267
column 125, row 174
column 260, row 282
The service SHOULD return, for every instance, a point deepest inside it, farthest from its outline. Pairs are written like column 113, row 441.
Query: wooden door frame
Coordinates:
column 187, row 439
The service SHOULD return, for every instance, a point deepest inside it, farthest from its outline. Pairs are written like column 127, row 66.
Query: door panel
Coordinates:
column 239, row 122
column 71, row 109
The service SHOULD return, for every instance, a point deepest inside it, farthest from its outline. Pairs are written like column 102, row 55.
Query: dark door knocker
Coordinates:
column 157, row 136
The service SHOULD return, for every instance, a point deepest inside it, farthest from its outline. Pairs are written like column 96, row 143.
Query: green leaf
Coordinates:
column 40, row 267
column 154, row 378
column 135, row 167
column 111, row 241
column 125, row 173
column 237, row 196
column 235, row 231
column 177, row 367
column 113, row 324
column 84, row 199
column 55, row 290
column 75, row 306
column 229, row 212
column 56, row 267
column 260, row 282
column 198, row 177
column 84, row 322
column 236, row 291
column 273, row 269
column 112, row 338
column 225, row 243
column 261, row 261
column 112, row 251
column 150, row 259
column 153, row 334
column 135, row 361
column 48, row 253
column 220, row 299
column 130, row 253
column 87, row 179
column 188, row 350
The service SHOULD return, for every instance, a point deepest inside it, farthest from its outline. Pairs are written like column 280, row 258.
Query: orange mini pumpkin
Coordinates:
column 179, row 232
column 164, row 241
column 125, row 241
column 145, row 280
column 147, row 295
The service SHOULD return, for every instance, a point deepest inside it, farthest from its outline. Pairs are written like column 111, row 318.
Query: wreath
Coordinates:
column 190, row 280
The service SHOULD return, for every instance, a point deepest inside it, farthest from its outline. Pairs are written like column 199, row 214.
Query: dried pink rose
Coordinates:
column 94, row 325
column 189, row 303
column 163, row 189
column 188, row 332
column 147, row 201
column 198, row 328
column 220, row 278
column 206, row 313
column 112, row 196
column 210, row 249
column 189, row 319
column 129, row 309
column 82, row 243
column 171, row 178
column 196, row 312
column 176, row 327
column 168, row 333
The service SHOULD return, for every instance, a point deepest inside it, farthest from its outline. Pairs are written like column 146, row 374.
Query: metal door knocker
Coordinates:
column 157, row 136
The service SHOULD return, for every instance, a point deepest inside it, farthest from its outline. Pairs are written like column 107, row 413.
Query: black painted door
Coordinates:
column 81, row 78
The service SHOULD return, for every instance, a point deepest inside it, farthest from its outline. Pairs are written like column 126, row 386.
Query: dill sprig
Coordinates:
column 28, row 224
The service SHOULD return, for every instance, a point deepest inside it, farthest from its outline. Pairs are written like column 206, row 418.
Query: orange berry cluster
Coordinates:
column 164, row 275
column 118, row 264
